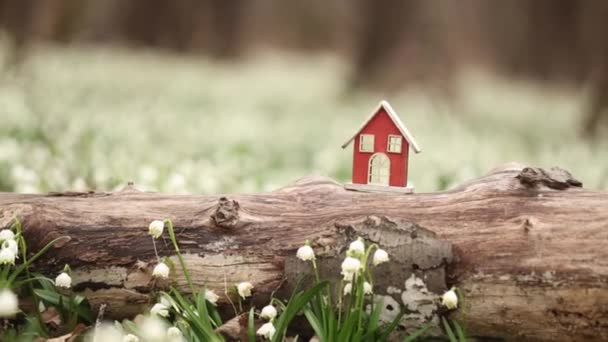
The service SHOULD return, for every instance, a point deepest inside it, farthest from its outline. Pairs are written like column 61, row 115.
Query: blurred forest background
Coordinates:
column 235, row 95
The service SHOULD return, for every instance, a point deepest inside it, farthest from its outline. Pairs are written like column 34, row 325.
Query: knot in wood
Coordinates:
column 554, row 178
column 226, row 214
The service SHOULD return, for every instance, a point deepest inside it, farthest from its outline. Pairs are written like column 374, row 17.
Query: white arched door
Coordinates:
column 379, row 169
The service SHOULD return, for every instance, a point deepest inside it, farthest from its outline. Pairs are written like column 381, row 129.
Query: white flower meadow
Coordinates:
column 156, row 228
column 9, row 304
column 160, row 310
column 7, row 256
column 244, row 289
column 6, row 234
column 211, row 296
column 161, row 270
column 357, row 248
column 305, row 253
column 269, row 312
column 380, row 256
column 450, row 299
column 267, row 330
column 63, row 280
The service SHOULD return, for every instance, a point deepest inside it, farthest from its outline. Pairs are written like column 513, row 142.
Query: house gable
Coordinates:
column 384, row 108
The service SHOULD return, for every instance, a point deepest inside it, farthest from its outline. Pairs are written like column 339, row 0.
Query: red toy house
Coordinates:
column 380, row 154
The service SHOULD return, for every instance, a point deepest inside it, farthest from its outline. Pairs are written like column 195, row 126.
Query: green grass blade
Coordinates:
column 251, row 326
column 448, row 330
column 418, row 332
column 314, row 322
column 460, row 332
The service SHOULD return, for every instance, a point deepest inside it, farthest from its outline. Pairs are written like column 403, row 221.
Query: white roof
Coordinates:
column 391, row 113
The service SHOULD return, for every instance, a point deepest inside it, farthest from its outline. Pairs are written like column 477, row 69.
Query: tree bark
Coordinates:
column 529, row 246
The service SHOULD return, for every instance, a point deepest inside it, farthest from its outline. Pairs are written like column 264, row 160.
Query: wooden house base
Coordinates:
column 379, row 188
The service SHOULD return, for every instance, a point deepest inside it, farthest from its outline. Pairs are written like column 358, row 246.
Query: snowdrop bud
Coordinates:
column 161, row 270
column 211, row 297
column 379, row 257
column 9, row 304
column 160, row 310
column 267, row 330
column 63, row 280
column 130, row 338
column 12, row 245
column 156, row 228
column 357, row 247
column 268, row 312
column 41, row 307
column 348, row 288
column 305, row 253
column 7, row 256
column 367, row 288
column 450, row 299
column 6, row 234
column 350, row 266
column 174, row 333
column 244, row 289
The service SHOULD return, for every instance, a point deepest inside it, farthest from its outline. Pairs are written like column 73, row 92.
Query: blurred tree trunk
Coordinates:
column 382, row 28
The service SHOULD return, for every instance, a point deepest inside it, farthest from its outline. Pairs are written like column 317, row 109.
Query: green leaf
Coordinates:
column 391, row 326
column 418, row 332
column 294, row 306
column 460, row 332
column 314, row 322
column 251, row 326
column 448, row 330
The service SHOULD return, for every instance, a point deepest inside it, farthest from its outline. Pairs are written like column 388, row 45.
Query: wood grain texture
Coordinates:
column 531, row 260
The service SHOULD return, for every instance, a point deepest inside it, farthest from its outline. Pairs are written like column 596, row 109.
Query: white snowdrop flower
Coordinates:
column 211, row 297
column 6, row 234
column 174, row 333
column 152, row 328
column 380, row 256
column 305, row 253
column 63, row 280
column 269, row 312
column 348, row 276
column 107, row 332
column 7, row 256
column 450, row 299
column 244, row 289
column 348, row 288
column 156, row 228
column 357, row 247
column 9, row 304
column 41, row 307
column 350, row 266
column 267, row 330
column 12, row 245
column 130, row 338
column 367, row 288
column 161, row 270
column 160, row 310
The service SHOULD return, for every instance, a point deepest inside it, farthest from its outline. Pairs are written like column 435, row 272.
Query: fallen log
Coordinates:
column 527, row 247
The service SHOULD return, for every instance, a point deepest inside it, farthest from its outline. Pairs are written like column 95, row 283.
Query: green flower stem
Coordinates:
column 179, row 255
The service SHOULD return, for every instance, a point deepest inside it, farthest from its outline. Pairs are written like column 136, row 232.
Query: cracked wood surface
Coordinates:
column 531, row 260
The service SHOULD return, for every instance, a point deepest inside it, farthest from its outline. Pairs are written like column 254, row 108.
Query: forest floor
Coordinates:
column 95, row 118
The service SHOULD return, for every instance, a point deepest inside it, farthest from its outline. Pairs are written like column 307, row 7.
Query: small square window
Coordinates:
column 394, row 143
column 366, row 143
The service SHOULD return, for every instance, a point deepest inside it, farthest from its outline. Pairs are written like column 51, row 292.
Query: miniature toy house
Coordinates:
column 380, row 153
